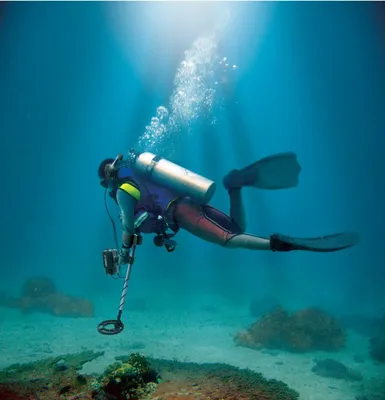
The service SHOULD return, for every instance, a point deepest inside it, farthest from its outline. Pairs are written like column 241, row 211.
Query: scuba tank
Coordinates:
column 172, row 176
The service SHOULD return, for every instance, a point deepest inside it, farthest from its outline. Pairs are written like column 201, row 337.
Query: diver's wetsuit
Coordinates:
column 211, row 225
column 203, row 221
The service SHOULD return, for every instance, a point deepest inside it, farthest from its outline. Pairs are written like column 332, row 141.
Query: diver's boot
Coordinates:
column 277, row 244
column 235, row 179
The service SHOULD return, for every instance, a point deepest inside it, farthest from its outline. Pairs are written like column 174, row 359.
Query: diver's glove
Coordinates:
column 124, row 255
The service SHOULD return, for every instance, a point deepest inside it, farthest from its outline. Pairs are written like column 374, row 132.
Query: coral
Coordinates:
column 118, row 370
column 57, row 304
column 130, row 377
column 40, row 295
column 122, row 381
column 139, row 362
column 37, row 287
column 67, row 306
column 305, row 330
column 266, row 331
column 7, row 394
column 44, row 380
column 321, row 331
column 48, row 366
column 188, row 381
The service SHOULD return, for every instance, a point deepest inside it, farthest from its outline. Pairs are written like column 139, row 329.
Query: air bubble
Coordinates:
column 162, row 113
column 193, row 97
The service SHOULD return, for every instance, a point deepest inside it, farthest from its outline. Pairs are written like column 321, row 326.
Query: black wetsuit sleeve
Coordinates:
column 127, row 204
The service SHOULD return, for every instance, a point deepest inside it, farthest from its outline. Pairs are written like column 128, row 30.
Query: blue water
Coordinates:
column 79, row 82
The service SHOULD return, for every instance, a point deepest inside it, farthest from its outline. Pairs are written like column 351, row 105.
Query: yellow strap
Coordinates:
column 168, row 206
column 130, row 189
column 172, row 202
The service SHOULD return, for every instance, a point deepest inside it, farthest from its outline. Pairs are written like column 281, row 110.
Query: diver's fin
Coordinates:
column 322, row 244
column 278, row 171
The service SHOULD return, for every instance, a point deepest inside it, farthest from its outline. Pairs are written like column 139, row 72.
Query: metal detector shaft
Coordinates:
column 117, row 325
column 139, row 221
column 126, row 279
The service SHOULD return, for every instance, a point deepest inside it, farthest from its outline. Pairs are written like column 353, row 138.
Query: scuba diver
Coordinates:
column 173, row 198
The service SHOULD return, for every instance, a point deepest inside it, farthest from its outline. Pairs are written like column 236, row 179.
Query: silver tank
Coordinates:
column 174, row 177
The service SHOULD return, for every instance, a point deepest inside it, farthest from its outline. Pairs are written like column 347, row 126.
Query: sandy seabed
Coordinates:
column 188, row 336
